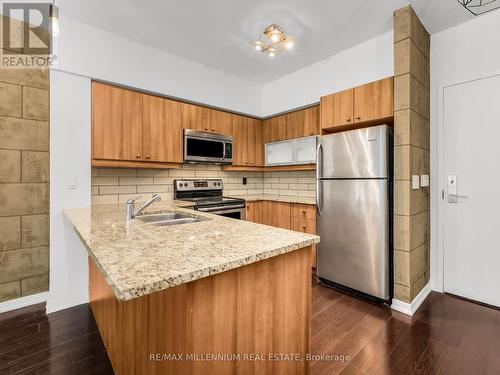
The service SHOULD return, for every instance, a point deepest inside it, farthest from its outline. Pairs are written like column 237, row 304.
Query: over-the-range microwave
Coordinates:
column 204, row 147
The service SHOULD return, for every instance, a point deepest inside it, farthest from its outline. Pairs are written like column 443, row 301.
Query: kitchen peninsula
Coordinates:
column 165, row 297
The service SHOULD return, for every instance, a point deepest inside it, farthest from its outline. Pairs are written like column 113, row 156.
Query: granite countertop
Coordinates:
column 137, row 258
column 278, row 198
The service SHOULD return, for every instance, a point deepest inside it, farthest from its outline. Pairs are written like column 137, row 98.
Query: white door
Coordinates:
column 471, row 220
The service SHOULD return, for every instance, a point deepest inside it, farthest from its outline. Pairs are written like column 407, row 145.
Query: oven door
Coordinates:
column 207, row 147
column 235, row 212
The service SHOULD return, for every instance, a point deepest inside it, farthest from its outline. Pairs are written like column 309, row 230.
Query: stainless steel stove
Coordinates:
column 207, row 195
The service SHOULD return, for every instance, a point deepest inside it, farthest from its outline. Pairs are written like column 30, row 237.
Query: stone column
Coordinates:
column 24, row 180
column 411, row 154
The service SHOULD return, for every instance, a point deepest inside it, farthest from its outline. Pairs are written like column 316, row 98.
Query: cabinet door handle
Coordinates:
column 138, row 156
column 358, row 117
column 348, row 119
column 206, row 128
column 148, row 157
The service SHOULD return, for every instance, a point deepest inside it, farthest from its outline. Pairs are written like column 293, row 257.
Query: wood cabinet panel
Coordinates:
column 251, row 129
column 162, row 129
column 258, row 308
column 116, row 123
column 259, row 143
column 305, row 225
column 311, row 122
column 196, row 117
column 294, row 216
column 276, row 214
column 221, row 122
column 337, row 109
column 248, row 146
column 254, row 212
column 306, row 211
column 374, row 100
column 277, row 128
column 302, row 123
column 240, row 143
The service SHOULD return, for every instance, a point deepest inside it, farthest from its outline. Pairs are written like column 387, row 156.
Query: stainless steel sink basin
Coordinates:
column 166, row 219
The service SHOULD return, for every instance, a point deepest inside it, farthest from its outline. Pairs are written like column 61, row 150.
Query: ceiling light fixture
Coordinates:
column 477, row 7
column 273, row 41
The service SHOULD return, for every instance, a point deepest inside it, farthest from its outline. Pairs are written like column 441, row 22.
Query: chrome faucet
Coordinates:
column 131, row 205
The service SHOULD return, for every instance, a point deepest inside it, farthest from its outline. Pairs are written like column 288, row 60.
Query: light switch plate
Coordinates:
column 424, row 180
column 415, row 182
column 72, row 183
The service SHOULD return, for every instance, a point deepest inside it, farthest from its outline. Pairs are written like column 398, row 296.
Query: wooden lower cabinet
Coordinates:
column 293, row 216
column 261, row 308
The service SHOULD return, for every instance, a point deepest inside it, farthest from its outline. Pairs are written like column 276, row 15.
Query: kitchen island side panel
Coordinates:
column 259, row 309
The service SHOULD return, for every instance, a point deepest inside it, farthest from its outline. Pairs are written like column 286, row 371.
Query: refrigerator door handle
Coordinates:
column 319, row 166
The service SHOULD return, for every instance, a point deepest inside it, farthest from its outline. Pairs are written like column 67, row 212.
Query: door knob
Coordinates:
column 148, row 157
column 138, row 156
column 348, row 119
column 358, row 117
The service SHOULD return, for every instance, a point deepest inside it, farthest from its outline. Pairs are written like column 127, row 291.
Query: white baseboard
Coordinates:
column 62, row 304
column 411, row 308
column 21, row 302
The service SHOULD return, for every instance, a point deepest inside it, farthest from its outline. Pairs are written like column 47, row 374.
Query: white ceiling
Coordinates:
column 218, row 33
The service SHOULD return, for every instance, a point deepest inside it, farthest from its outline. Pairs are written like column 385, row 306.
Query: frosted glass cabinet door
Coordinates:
column 279, row 153
column 305, row 150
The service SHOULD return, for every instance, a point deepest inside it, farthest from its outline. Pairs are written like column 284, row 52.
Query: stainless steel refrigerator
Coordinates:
column 354, row 199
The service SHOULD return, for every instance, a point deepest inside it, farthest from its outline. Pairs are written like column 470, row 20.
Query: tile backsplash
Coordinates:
column 112, row 185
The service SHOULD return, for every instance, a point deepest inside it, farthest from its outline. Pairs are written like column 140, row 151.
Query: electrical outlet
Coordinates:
column 244, row 180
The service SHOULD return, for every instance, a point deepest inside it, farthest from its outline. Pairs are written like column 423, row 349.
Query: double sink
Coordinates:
column 167, row 219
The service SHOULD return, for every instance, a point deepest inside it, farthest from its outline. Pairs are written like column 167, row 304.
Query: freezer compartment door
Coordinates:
column 354, row 230
column 361, row 153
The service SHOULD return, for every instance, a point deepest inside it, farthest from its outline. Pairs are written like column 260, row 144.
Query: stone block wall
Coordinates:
column 411, row 154
column 24, row 182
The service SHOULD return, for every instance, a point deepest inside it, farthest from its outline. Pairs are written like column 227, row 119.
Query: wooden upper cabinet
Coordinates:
column 337, row 109
column 302, row 123
column 258, row 127
column 367, row 103
column 277, row 128
column 116, row 123
column 248, row 145
column 162, row 129
column 221, row 122
column 196, row 117
column 240, row 144
column 374, row 100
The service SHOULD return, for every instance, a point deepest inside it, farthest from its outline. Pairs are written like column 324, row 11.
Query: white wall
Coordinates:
column 95, row 53
column 369, row 61
column 462, row 53
column 69, row 157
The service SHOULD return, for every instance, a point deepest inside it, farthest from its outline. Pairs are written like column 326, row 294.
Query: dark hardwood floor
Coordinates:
column 446, row 336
